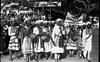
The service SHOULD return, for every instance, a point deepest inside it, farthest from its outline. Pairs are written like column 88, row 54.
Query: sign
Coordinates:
column 47, row 4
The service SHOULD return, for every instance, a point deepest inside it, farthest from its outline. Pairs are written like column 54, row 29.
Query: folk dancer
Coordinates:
column 46, row 40
column 71, row 45
column 73, row 18
column 27, row 46
column 13, row 43
column 87, row 42
column 37, row 41
column 56, row 36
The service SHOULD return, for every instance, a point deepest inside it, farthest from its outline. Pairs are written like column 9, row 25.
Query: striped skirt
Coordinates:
column 14, row 43
column 27, row 46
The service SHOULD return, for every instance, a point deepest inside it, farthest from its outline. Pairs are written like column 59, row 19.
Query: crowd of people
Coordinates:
column 27, row 31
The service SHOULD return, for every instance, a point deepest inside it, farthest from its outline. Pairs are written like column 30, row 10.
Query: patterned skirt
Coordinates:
column 37, row 46
column 14, row 43
column 71, row 45
column 27, row 46
column 57, row 48
column 47, row 46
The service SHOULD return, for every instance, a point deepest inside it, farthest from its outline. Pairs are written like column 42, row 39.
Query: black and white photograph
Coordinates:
column 49, row 31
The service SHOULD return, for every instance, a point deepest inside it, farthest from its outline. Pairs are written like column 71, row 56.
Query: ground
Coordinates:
column 94, row 54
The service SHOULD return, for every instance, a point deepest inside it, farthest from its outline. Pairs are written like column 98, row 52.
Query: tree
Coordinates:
column 88, row 6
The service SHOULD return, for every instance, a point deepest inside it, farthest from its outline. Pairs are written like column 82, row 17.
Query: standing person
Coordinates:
column 79, row 42
column 13, row 43
column 87, row 42
column 6, row 38
column 71, row 45
column 57, row 38
column 46, row 40
column 37, row 41
column 27, row 46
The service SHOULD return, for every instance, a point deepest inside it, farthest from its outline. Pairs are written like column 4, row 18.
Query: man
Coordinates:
column 57, row 38
column 87, row 42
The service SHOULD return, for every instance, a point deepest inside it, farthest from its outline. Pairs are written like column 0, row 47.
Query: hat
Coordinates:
column 58, row 20
column 88, row 22
column 39, row 21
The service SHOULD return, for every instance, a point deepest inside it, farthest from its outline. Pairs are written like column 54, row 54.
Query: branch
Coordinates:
column 91, row 7
column 87, row 1
column 80, row 1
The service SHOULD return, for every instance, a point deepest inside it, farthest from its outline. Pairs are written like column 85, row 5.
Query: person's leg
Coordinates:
column 69, row 52
column 73, row 53
column 55, row 55
column 10, row 55
column 39, row 55
column 58, row 57
column 16, row 54
column 80, row 53
column 89, row 56
column 46, row 55
column 51, row 55
column 85, row 53
column 36, row 57
column 26, row 58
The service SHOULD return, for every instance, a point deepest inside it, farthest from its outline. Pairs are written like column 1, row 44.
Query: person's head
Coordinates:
column 89, row 26
column 13, row 23
column 84, row 26
column 59, row 22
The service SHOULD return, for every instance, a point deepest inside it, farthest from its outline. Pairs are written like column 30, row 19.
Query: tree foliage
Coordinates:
column 86, row 6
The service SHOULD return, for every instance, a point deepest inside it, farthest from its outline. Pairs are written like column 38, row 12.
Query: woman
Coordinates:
column 13, row 43
column 37, row 42
column 46, row 40
column 27, row 46
column 71, row 45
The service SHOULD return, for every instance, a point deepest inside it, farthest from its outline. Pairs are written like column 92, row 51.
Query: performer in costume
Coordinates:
column 46, row 40
column 73, row 18
column 87, row 42
column 37, row 42
column 13, row 43
column 56, row 36
column 71, row 45
column 27, row 46
column 79, row 42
